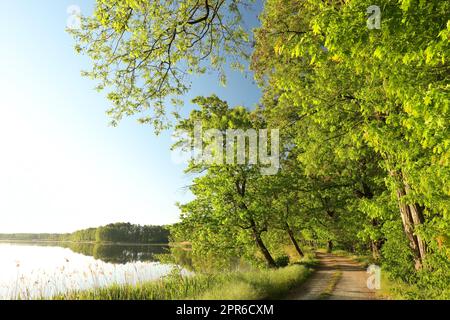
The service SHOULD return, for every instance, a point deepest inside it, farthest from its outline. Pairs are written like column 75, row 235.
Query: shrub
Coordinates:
column 282, row 261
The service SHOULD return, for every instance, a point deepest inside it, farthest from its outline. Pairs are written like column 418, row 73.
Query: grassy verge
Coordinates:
column 364, row 260
column 254, row 285
column 395, row 289
column 389, row 289
column 331, row 285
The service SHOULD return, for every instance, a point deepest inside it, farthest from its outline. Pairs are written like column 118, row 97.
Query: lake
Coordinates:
column 34, row 270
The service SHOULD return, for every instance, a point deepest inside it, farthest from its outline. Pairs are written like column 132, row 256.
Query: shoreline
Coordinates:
column 257, row 284
column 83, row 242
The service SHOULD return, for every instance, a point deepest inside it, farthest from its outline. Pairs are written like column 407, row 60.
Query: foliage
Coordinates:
column 145, row 51
column 114, row 232
column 282, row 261
column 371, row 109
column 129, row 233
column 363, row 117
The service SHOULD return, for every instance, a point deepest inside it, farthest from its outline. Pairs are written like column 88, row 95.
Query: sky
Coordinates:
column 62, row 167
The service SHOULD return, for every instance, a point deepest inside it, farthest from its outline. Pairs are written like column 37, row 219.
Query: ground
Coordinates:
column 335, row 278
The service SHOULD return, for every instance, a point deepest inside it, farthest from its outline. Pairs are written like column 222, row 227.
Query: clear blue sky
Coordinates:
column 62, row 167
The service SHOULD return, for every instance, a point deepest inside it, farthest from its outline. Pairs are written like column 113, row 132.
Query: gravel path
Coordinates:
column 340, row 277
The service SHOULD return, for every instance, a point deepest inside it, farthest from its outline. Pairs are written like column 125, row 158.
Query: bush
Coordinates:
column 282, row 261
column 397, row 256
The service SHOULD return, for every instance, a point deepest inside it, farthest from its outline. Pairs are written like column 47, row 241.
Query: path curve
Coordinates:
column 340, row 278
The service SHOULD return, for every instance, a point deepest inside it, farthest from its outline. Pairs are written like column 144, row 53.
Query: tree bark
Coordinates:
column 376, row 249
column 418, row 219
column 294, row 242
column 240, row 188
column 376, row 244
column 262, row 247
column 329, row 246
column 412, row 217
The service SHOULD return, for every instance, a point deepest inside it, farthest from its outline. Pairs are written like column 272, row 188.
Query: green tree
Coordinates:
column 144, row 51
column 363, row 116
column 226, row 194
column 381, row 95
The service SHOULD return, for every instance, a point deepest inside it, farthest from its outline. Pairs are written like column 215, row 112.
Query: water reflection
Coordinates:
column 118, row 253
column 111, row 253
column 34, row 270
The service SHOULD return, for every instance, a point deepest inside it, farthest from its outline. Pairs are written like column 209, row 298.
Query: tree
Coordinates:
column 381, row 93
column 277, row 197
column 144, row 51
column 363, row 116
column 226, row 193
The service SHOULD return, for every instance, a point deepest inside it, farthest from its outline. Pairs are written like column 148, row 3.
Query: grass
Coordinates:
column 389, row 289
column 396, row 289
column 331, row 285
column 392, row 289
column 171, row 287
column 363, row 260
column 252, row 285
column 267, row 284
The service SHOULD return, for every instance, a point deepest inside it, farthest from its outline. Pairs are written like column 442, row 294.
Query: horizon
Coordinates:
column 63, row 167
column 225, row 150
column 92, row 227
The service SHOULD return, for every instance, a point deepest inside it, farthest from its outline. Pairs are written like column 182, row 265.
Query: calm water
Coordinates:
column 42, row 270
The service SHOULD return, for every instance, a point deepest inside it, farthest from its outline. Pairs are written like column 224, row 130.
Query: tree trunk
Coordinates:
column 418, row 219
column 329, row 246
column 262, row 247
column 412, row 217
column 376, row 245
column 294, row 242
column 376, row 249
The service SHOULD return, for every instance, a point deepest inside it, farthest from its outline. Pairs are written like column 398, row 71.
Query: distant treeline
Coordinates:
column 115, row 232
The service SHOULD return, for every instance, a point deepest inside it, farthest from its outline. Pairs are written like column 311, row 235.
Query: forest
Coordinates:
column 363, row 116
column 114, row 232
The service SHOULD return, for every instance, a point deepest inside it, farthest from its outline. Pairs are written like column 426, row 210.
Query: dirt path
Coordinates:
column 336, row 278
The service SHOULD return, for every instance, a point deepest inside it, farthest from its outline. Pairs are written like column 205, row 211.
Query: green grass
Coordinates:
column 396, row 289
column 389, row 289
column 267, row 284
column 331, row 285
column 364, row 260
column 253, row 285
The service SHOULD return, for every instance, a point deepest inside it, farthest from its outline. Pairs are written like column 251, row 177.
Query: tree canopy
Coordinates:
column 113, row 232
column 144, row 51
column 363, row 115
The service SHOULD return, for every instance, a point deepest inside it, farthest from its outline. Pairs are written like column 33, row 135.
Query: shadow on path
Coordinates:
column 352, row 285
